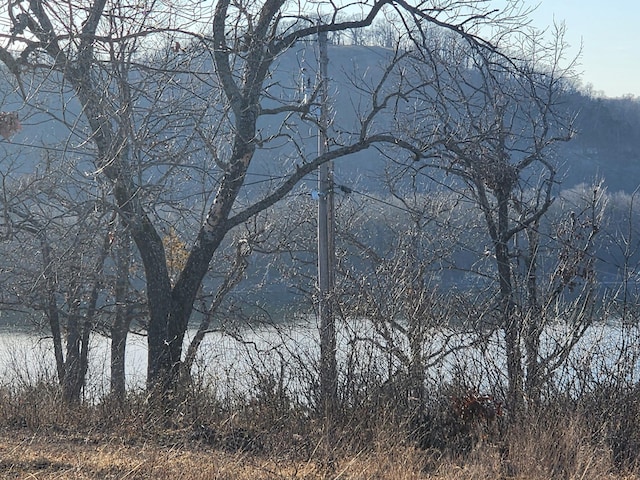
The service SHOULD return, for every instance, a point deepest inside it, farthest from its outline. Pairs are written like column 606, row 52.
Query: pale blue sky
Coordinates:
column 610, row 36
column 608, row 29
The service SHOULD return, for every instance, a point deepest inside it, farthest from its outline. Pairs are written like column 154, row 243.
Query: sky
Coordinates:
column 609, row 32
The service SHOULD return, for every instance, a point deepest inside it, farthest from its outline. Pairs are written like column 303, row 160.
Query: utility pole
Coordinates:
column 326, row 249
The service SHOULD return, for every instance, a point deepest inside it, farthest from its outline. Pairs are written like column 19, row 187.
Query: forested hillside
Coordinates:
column 605, row 147
column 607, row 143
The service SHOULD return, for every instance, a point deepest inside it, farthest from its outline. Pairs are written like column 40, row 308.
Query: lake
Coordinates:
column 233, row 361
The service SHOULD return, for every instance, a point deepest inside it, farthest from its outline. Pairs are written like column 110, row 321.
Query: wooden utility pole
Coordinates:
column 326, row 249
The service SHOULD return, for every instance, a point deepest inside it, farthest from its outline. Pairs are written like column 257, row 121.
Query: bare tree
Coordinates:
column 48, row 212
column 494, row 122
column 93, row 50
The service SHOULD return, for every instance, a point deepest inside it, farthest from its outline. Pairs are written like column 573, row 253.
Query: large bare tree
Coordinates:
column 96, row 49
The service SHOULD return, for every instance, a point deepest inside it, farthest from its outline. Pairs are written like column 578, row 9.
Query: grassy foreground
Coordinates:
column 69, row 458
column 41, row 438
column 25, row 455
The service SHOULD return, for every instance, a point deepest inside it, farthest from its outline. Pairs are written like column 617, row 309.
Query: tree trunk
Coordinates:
column 509, row 317
column 533, row 319
column 170, row 309
column 122, row 320
column 52, row 307
column 73, row 378
column 119, row 331
column 416, row 366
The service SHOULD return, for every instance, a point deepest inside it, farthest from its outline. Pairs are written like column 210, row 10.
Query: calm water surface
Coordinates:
column 290, row 352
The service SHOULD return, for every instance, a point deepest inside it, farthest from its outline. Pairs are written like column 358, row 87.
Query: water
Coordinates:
column 226, row 359
column 237, row 361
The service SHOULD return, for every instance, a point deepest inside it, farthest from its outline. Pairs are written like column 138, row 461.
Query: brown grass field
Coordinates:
column 28, row 455
column 42, row 438
column 31, row 456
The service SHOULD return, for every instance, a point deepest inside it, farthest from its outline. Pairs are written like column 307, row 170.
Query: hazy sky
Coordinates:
column 610, row 34
column 609, row 31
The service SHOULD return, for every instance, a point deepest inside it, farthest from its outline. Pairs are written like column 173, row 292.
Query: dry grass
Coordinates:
column 24, row 455
column 63, row 458
column 43, row 439
column 59, row 458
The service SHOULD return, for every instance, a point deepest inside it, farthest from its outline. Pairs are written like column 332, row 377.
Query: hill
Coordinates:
column 607, row 144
